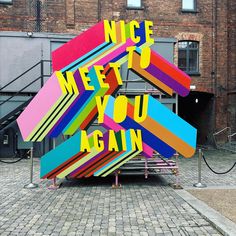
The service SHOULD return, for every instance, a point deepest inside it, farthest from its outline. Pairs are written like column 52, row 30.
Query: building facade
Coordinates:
column 205, row 48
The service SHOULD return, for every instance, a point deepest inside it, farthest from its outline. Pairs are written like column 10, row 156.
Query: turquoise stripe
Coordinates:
column 110, row 107
column 172, row 122
column 86, row 55
column 60, row 154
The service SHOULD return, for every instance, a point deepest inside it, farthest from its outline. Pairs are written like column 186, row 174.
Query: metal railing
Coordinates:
column 228, row 145
column 220, row 132
column 230, row 137
column 37, row 72
column 21, row 77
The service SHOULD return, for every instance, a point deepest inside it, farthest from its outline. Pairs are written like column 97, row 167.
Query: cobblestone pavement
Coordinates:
column 220, row 161
column 92, row 207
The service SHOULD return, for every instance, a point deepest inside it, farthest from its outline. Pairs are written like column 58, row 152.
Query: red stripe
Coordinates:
column 170, row 70
column 78, row 47
column 106, row 161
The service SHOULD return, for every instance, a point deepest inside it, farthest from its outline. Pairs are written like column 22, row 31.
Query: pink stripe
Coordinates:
column 78, row 47
column 114, row 54
column 109, row 123
column 39, row 106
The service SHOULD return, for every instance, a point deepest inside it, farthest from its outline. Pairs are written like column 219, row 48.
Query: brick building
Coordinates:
column 205, row 31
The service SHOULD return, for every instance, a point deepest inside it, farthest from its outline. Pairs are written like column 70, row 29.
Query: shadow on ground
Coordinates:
column 108, row 181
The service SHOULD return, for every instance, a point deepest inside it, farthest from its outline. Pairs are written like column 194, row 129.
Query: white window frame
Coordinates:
column 194, row 9
column 188, row 49
column 10, row 2
column 139, row 6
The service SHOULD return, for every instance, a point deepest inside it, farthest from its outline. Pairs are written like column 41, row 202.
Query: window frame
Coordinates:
column 194, row 10
column 134, row 7
column 188, row 49
column 10, row 2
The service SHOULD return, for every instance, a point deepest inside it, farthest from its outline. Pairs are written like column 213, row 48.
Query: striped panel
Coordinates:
column 37, row 119
column 162, row 130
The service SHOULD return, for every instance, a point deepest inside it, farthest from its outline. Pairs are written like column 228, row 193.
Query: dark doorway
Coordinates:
column 197, row 110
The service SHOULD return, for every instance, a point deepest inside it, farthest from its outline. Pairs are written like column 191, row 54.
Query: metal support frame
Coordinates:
column 31, row 185
column 176, row 185
column 200, row 184
column 54, row 185
column 146, row 169
column 174, row 169
column 116, row 185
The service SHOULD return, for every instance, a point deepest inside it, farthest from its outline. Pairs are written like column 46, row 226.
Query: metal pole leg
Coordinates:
column 116, row 185
column 54, row 185
column 199, row 184
column 176, row 185
column 146, row 169
column 31, row 185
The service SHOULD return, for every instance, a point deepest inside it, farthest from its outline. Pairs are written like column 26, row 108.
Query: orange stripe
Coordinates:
column 174, row 73
column 89, row 165
column 65, row 165
column 168, row 137
column 103, row 162
column 149, row 77
column 164, row 134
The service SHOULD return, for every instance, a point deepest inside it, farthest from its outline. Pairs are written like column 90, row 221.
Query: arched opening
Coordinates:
column 198, row 110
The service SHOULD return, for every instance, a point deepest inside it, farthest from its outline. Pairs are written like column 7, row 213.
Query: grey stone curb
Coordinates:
column 220, row 222
column 212, row 187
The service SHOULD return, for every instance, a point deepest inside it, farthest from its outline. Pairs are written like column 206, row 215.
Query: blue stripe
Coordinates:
column 86, row 55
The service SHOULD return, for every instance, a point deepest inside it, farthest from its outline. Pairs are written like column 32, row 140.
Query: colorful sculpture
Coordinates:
column 86, row 77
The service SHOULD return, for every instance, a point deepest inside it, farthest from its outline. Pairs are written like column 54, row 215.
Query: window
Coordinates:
column 5, row 1
column 189, row 5
column 188, row 56
column 134, row 4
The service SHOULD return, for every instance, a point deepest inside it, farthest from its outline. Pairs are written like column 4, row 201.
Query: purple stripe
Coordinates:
column 167, row 80
column 105, row 139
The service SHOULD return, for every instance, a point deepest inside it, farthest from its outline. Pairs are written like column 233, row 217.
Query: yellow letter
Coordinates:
column 130, row 51
column 110, row 31
column 120, row 109
column 84, row 144
column 140, row 110
column 145, row 57
column 101, row 107
column 122, row 31
column 116, row 68
column 136, row 139
column 134, row 25
column 148, row 31
column 98, row 69
column 112, row 143
column 98, row 144
column 67, row 85
column 83, row 72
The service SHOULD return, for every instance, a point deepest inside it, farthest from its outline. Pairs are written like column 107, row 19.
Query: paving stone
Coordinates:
column 92, row 207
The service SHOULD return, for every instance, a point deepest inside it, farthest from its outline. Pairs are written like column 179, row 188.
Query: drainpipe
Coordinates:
column 99, row 10
column 228, row 63
column 38, row 16
column 214, row 56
